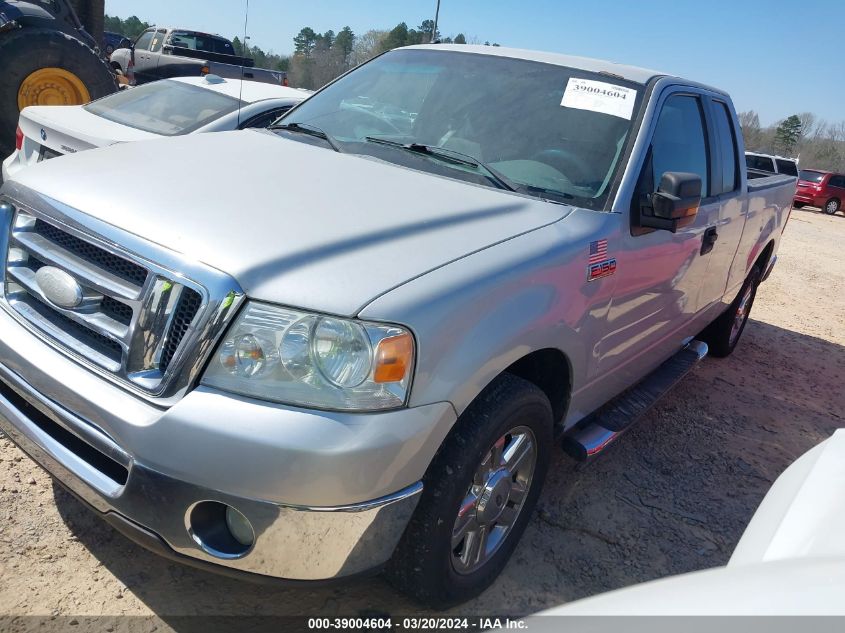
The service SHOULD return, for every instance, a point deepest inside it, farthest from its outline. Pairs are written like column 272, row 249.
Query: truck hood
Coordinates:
column 294, row 223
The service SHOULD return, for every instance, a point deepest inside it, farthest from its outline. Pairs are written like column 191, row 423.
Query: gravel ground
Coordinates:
column 671, row 496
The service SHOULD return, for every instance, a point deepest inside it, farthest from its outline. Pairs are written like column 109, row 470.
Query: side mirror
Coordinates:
column 674, row 204
column 167, row 48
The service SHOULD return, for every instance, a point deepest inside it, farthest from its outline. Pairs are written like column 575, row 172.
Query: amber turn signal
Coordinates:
column 393, row 357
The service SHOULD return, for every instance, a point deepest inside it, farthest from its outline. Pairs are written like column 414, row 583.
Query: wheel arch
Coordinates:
column 551, row 371
column 765, row 256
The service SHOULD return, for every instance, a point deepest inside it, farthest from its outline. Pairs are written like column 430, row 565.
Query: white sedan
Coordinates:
column 171, row 107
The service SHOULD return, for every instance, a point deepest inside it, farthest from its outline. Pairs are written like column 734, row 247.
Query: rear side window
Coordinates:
column 787, row 167
column 201, row 42
column 763, row 163
column 679, row 141
column 837, row 181
column 158, row 40
column 727, row 145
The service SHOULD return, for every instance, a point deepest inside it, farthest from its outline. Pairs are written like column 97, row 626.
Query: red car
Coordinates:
column 821, row 189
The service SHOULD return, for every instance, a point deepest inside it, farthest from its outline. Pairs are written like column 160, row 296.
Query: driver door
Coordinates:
column 660, row 274
column 141, row 56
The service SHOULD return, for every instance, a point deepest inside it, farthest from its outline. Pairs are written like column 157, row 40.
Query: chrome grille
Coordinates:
column 123, row 268
column 138, row 321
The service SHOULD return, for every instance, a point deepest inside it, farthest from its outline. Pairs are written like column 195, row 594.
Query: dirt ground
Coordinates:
column 671, row 496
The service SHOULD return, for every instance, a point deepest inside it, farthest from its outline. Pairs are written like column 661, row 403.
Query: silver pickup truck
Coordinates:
column 165, row 53
column 351, row 342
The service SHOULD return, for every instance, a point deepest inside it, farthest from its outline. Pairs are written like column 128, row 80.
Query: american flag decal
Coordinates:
column 598, row 251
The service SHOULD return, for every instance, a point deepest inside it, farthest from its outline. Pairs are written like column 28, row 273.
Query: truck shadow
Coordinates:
column 672, row 495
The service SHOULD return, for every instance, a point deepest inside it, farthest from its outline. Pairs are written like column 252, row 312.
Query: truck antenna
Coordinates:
column 243, row 50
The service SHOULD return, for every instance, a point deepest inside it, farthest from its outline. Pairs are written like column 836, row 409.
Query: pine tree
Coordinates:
column 788, row 134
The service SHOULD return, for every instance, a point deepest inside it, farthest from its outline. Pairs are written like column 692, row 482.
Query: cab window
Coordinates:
column 724, row 129
column 787, row 167
column 679, row 142
column 158, row 40
column 143, row 41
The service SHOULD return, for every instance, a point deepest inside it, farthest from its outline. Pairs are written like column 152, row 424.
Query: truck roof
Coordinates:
column 631, row 73
column 750, row 153
column 197, row 31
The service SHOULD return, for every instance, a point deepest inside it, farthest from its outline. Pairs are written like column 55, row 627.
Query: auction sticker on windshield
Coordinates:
column 598, row 96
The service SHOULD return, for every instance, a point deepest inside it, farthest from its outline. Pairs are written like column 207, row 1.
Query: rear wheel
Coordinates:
column 831, row 206
column 724, row 333
column 478, row 496
column 44, row 67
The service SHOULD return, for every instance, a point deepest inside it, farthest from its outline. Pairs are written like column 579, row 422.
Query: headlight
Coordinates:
column 310, row 360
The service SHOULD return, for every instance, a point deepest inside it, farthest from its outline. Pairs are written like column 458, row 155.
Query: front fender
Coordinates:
column 475, row 317
column 121, row 57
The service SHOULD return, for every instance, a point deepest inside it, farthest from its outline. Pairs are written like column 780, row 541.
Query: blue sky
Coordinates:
column 772, row 56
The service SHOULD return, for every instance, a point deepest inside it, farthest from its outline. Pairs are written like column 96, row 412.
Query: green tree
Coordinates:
column 344, row 41
column 304, row 42
column 414, row 37
column 788, row 134
column 131, row 27
column 238, row 46
column 427, row 31
column 396, row 37
column 460, row 38
column 326, row 40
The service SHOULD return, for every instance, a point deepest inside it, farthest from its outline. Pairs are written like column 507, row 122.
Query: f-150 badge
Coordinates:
column 598, row 264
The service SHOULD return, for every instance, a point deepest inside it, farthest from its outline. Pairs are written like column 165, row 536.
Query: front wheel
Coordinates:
column 478, row 496
column 724, row 333
column 832, row 206
column 797, row 205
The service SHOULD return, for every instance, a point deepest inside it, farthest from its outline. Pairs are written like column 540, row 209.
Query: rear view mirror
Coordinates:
column 675, row 202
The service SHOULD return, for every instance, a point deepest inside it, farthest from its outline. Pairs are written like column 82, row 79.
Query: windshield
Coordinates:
column 164, row 107
column 541, row 126
column 811, row 176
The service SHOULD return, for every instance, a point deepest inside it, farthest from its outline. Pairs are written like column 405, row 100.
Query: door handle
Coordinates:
column 710, row 237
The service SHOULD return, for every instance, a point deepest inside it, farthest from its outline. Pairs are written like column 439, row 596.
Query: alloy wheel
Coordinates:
column 494, row 500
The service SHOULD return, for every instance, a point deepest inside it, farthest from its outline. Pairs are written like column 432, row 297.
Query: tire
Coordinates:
column 797, row 205
column 831, row 206
column 721, row 336
column 27, row 50
column 426, row 565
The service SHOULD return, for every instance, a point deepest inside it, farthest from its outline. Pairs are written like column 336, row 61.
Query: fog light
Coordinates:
column 219, row 529
column 239, row 527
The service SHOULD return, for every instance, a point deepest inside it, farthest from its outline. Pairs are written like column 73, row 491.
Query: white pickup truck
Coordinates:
column 351, row 343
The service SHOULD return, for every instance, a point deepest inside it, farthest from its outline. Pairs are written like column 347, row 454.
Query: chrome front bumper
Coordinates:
column 292, row 542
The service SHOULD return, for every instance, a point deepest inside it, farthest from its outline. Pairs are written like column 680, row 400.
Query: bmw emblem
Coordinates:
column 43, row 134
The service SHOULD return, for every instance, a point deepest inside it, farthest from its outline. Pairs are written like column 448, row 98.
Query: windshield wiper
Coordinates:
column 307, row 128
column 459, row 158
column 449, row 155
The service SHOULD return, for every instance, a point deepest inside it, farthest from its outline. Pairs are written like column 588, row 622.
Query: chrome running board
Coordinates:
column 609, row 422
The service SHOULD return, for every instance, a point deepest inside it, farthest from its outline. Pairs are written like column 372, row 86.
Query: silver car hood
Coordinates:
column 294, row 223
